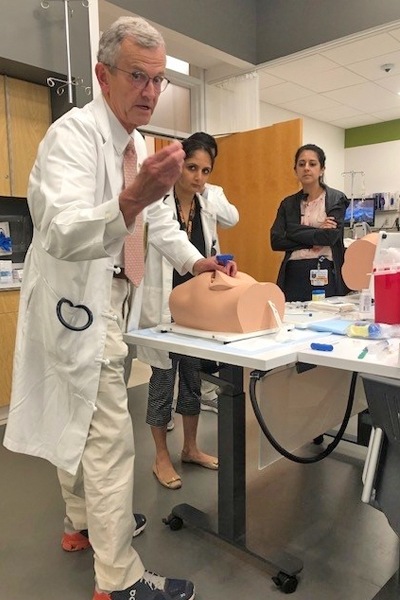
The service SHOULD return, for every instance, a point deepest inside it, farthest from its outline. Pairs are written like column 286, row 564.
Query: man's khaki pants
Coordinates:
column 99, row 496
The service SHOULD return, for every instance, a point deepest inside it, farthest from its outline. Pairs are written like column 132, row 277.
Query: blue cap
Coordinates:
column 223, row 259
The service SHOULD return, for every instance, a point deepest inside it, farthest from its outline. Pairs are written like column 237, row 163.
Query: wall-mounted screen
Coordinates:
column 16, row 222
column 363, row 212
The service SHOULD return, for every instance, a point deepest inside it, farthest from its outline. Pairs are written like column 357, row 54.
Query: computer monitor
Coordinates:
column 363, row 212
column 14, row 212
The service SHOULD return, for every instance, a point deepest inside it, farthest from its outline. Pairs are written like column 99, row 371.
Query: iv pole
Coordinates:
column 353, row 174
column 51, row 81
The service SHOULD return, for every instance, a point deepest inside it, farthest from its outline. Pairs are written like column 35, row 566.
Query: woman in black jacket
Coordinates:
column 309, row 229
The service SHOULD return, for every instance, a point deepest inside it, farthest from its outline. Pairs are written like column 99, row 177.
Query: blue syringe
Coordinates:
column 223, row 259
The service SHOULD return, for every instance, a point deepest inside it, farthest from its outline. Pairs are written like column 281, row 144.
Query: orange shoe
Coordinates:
column 79, row 540
column 101, row 596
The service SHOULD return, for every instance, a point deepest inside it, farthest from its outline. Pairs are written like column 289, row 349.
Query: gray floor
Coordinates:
column 315, row 512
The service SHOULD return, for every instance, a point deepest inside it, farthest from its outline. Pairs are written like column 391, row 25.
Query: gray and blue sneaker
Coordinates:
column 152, row 587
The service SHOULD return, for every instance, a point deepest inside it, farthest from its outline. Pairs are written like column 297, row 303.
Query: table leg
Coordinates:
column 232, row 483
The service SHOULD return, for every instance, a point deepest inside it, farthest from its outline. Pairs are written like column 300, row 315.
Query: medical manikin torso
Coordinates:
column 218, row 302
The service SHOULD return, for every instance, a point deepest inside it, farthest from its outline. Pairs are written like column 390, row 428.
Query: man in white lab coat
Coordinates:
column 69, row 400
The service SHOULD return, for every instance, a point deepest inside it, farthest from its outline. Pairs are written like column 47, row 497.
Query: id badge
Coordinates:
column 319, row 277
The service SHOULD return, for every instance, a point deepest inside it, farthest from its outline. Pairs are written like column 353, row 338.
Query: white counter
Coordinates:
column 16, row 283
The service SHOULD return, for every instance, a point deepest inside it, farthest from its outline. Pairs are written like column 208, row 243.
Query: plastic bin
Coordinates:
column 387, row 294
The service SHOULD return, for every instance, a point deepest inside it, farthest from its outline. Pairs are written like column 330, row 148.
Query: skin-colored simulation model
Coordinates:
column 358, row 261
column 218, row 302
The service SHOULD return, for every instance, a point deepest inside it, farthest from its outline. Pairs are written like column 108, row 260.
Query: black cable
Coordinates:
column 256, row 376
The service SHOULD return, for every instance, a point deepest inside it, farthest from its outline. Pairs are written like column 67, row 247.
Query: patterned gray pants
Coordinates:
column 161, row 390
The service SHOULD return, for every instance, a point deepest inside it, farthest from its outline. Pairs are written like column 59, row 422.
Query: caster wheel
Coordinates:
column 286, row 583
column 318, row 440
column 175, row 523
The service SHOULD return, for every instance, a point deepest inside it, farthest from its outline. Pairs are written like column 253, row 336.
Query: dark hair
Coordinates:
column 313, row 148
column 207, row 139
column 190, row 146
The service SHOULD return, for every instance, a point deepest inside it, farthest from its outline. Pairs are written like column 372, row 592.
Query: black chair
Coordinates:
column 381, row 475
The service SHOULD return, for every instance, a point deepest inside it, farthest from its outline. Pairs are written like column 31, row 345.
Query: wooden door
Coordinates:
column 160, row 143
column 255, row 168
column 29, row 118
column 9, row 300
column 4, row 160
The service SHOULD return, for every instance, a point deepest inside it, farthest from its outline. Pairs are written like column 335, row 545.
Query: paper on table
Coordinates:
column 337, row 326
column 270, row 342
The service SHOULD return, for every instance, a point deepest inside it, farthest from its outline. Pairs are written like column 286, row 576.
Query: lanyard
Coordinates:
column 186, row 226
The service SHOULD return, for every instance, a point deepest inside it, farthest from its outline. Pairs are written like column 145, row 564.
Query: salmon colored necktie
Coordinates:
column 133, row 246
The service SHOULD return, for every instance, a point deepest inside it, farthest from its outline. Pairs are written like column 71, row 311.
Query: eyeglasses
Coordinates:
column 140, row 80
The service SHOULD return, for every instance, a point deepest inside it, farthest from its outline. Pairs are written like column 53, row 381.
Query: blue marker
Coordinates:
column 223, row 259
column 322, row 347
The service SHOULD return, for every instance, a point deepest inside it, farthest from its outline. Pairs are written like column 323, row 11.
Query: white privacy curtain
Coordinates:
column 236, row 101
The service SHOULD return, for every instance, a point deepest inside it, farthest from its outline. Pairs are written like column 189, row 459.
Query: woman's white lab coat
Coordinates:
column 215, row 209
column 78, row 232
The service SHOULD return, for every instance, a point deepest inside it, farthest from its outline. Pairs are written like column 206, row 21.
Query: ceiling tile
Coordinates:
column 351, row 52
column 284, row 92
column 387, row 115
column 315, row 63
column 310, row 104
column 371, row 68
column 337, row 112
column 267, row 80
column 369, row 96
column 395, row 33
column 329, row 80
column 391, row 83
column 358, row 121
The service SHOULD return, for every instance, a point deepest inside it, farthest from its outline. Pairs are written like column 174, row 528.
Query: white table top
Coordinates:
column 265, row 353
column 345, row 355
column 262, row 352
column 14, row 285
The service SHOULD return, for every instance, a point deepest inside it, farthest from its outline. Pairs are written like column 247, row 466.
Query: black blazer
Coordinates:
column 287, row 234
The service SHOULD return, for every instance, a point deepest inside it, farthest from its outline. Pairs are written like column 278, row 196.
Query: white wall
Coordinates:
column 331, row 140
column 94, row 35
column 380, row 163
column 328, row 137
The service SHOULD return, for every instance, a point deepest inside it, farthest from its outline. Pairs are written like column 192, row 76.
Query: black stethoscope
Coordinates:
column 81, row 306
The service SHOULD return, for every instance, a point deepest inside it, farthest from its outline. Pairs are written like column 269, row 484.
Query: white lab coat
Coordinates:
column 215, row 210
column 78, row 232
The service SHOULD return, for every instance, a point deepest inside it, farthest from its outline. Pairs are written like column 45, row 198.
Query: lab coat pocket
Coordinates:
column 152, row 310
column 45, row 326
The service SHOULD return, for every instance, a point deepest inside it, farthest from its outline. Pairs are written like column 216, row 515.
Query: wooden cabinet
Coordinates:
column 9, row 300
column 5, row 187
column 25, row 115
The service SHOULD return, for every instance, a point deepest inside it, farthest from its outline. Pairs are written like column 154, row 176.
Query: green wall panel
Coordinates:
column 372, row 134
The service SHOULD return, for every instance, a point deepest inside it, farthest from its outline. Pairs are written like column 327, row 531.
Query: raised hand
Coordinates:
column 155, row 178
